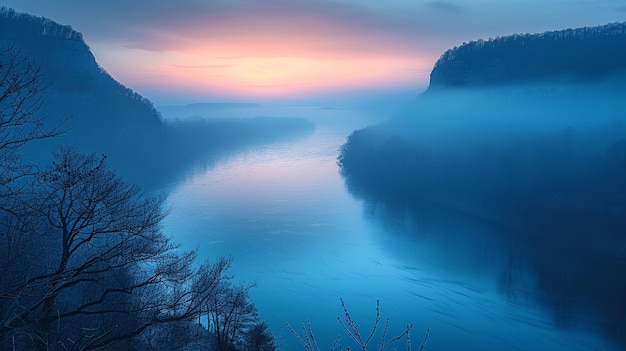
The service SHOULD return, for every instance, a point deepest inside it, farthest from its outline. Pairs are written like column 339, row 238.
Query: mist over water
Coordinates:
column 284, row 213
column 545, row 165
column 490, row 209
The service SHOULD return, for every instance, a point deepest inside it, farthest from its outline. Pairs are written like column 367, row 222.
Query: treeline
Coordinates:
column 563, row 180
column 583, row 54
column 62, row 48
column 549, row 178
column 85, row 264
column 37, row 25
column 526, row 133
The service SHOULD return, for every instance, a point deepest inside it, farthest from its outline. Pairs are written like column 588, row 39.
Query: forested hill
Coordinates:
column 526, row 132
column 78, row 85
column 573, row 56
column 107, row 117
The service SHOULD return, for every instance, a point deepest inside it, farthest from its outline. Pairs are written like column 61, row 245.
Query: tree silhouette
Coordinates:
column 259, row 338
column 107, row 272
column 230, row 315
column 22, row 90
column 85, row 264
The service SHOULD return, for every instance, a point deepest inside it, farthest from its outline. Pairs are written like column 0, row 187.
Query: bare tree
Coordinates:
column 352, row 329
column 22, row 92
column 107, row 272
column 230, row 313
column 85, row 264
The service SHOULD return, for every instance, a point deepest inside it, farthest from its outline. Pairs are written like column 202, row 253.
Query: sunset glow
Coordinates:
column 280, row 75
column 275, row 49
column 280, row 54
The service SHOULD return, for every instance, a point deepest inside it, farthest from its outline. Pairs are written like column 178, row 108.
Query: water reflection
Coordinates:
column 581, row 291
column 283, row 213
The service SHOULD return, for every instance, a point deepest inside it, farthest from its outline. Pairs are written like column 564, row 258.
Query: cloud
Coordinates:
column 445, row 7
column 342, row 28
column 246, row 28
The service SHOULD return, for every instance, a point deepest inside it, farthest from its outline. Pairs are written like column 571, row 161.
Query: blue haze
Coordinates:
column 270, row 193
column 285, row 215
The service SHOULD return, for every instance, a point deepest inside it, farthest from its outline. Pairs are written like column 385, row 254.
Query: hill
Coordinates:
column 525, row 130
column 579, row 55
column 109, row 118
column 79, row 86
column 527, row 134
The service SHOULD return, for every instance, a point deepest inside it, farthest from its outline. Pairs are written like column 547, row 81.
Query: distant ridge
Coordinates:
column 38, row 26
column 573, row 55
column 224, row 104
column 103, row 110
column 109, row 118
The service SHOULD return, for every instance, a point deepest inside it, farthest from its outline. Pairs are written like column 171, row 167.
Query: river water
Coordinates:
column 283, row 213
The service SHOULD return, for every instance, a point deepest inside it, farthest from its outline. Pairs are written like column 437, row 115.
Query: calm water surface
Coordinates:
column 283, row 213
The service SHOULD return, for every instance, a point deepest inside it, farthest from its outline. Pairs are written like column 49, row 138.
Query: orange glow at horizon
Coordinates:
column 276, row 60
column 276, row 76
column 282, row 75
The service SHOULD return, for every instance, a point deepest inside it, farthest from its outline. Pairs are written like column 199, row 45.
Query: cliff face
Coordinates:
column 569, row 56
column 78, row 85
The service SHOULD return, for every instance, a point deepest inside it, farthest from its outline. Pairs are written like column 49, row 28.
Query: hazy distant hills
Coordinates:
column 496, row 141
column 109, row 118
column 206, row 110
column 573, row 55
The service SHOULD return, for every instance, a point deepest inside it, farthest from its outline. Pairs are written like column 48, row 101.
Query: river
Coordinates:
column 285, row 216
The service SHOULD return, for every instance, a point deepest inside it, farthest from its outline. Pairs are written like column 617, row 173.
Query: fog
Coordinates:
column 490, row 210
column 532, row 177
column 445, row 116
column 158, row 151
column 529, row 146
column 543, row 167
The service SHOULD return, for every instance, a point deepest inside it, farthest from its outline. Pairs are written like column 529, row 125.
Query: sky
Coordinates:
column 188, row 51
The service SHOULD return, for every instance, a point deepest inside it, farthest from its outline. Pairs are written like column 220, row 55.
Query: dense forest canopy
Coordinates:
column 572, row 55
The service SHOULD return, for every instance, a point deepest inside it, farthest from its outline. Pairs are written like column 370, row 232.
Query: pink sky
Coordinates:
column 259, row 50
column 274, row 53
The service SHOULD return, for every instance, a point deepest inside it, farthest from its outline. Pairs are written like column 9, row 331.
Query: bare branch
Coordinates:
column 308, row 341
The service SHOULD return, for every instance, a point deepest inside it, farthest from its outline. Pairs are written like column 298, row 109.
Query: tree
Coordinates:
column 356, row 337
column 230, row 313
column 85, row 264
column 22, row 91
column 107, row 272
column 259, row 338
